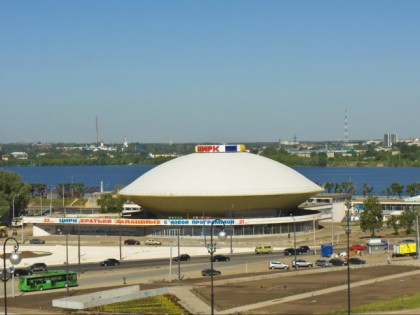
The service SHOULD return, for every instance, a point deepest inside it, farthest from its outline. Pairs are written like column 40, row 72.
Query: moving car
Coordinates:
column 183, row 257
column 263, row 249
column 22, row 272
column 211, row 272
column 301, row 263
column 221, row 258
column 291, row 251
column 323, row 263
column 37, row 267
column 153, row 242
column 131, row 242
column 36, row 241
column 337, row 262
column 277, row 265
column 110, row 262
column 356, row 261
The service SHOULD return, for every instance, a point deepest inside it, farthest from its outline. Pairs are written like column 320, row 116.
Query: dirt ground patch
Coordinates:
column 234, row 295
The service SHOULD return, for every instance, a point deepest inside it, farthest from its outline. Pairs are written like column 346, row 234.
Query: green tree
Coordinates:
column 348, row 187
column 110, row 203
column 328, row 186
column 397, row 188
column 366, row 190
column 412, row 189
column 407, row 219
column 13, row 194
column 371, row 218
column 394, row 222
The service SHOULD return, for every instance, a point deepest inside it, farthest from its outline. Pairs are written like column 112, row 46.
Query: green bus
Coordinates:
column 48, row 280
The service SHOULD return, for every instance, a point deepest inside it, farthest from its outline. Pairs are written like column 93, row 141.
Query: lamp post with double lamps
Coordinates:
column 212, row 249
column 347, row 229
column 15, row 259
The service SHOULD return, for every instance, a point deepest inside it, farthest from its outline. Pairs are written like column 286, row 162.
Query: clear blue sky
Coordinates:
column 208, row 71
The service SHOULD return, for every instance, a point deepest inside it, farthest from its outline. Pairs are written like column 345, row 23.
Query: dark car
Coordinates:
column 110, row 262
column 221, row 258
column 210, row 272
column 22, row 272
column 37, row 267
column 356, row 261
column 183, row 257
column 304, row 249
column 131, row 242
column 36, row 241
column 291, row 251
column 337, row 262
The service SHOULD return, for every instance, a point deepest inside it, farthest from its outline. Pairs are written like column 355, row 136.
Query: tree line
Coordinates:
column 395, row 189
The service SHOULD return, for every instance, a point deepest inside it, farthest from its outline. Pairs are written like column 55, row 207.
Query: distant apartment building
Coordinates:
column 390, row 139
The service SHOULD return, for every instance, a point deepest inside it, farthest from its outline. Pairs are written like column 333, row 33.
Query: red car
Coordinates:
column 356, row 247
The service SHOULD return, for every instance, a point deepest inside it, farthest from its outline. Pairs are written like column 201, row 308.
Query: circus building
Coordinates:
column 253, row 193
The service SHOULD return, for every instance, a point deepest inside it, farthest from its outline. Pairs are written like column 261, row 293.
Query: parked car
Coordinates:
column 131, row 242
column 291, row 251
column 22, row 272
column 356, row 261
column 153, row 242
column 304, row 249
column 323, row 263
column 37, row 267
column 277, row 265
column 337, row 262
column 210, row 272
column 110, row 262
column 301, row 263
column 356, row 247
column 183, row 257
column 220, row 258
column 36, row 241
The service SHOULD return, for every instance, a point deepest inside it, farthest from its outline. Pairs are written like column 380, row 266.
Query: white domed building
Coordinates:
column 252, row 193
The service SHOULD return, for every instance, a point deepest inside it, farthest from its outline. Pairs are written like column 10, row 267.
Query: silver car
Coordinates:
column 301, row 263
column 277, row 265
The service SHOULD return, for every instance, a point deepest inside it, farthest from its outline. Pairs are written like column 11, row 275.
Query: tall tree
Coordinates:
column 371, row 218
column 397, row 188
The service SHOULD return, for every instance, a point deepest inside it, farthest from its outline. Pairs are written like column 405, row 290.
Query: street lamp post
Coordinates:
column 294, row 237
column 347, row 229
column 67, row 263
column 15, row 259
column 179, row 256
column 212, row 249
column 13, row 219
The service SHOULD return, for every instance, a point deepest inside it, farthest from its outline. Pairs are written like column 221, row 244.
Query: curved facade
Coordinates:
column 214, row 183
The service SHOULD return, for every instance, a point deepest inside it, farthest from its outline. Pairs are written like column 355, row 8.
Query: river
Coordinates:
column 379, row 178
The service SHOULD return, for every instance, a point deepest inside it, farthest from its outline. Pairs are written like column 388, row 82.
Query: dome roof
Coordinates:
column 216, row 182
